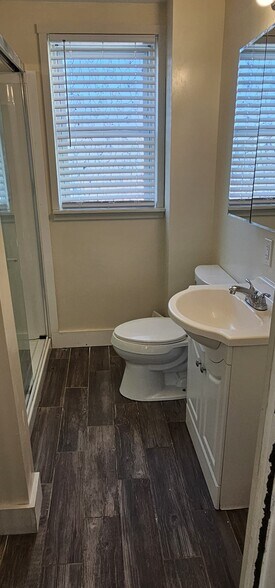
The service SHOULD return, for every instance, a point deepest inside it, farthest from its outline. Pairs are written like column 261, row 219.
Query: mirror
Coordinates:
column 252, row 176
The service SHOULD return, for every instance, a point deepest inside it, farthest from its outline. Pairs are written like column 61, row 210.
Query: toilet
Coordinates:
column 155, row 350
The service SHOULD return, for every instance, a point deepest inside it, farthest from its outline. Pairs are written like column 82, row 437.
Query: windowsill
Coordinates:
column 7, row 216
column 105, row 214
column 259, row 208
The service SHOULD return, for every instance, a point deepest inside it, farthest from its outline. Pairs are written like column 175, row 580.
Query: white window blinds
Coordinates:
column 253, row 153
column 104, row 102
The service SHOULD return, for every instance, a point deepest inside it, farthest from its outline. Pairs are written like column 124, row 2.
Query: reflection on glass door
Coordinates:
column 19, row 226
column 13, row 265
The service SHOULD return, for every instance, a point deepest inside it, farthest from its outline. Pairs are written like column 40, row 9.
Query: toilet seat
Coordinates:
column 145, row 349
column 151, row 331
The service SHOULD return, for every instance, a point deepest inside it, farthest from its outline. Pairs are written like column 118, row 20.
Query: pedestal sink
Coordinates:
column 227, row 356
column 211, row 315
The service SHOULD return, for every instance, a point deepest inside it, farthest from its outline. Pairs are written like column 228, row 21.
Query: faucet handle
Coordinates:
column 262, row 305
column 253, row 291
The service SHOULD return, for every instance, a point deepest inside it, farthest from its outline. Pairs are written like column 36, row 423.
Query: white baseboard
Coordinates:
column 18, row 519
column 96, row 338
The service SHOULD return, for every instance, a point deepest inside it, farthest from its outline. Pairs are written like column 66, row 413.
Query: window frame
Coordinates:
column 109, row 211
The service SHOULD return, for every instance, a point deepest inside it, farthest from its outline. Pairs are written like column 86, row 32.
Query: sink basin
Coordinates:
column 211, row 315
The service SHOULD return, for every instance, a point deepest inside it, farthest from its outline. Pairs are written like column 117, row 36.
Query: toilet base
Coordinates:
column 147, row 385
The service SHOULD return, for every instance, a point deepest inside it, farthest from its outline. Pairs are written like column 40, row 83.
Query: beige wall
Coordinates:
column 110, row 271
column 106, row 272
column 197, row 37
column 240, row 247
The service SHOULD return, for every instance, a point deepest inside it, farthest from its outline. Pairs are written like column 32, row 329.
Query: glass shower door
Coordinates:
column 19, row 227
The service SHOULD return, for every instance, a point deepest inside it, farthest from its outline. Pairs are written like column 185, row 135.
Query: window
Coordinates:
column 107, row 121
column 252, row 165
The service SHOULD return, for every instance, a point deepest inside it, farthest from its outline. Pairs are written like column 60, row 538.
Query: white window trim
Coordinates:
column 90, row 213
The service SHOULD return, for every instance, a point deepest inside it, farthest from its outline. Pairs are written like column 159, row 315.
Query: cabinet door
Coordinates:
column 213, row 421
column 195, row 381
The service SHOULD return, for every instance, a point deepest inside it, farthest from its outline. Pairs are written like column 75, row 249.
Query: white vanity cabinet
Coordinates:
column 224, row 396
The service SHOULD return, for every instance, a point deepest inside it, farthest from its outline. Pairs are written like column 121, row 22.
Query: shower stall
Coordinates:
column 19, row 224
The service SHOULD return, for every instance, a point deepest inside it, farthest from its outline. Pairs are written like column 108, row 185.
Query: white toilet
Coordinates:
column 155, row 350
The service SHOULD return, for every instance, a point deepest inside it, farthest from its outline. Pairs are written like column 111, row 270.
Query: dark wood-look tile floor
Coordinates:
column 125, row 504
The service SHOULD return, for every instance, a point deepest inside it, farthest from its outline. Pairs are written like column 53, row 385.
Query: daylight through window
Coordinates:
column 253, row 160
column 105, row 114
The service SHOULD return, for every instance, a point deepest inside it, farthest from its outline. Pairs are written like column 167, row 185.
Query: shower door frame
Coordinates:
column 38, row 181
column 46, row 256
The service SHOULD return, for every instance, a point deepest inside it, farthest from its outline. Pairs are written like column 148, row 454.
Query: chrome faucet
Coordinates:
column 254, row 298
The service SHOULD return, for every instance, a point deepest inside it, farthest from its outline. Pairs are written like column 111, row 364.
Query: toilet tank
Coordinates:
column 212, row 274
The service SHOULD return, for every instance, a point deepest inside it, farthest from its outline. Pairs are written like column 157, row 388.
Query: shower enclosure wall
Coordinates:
column 19, row 221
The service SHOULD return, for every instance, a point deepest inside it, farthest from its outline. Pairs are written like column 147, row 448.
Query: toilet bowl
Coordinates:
column 155, row 350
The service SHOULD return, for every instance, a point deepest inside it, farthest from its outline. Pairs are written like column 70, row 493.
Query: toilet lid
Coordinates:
column 151, row 331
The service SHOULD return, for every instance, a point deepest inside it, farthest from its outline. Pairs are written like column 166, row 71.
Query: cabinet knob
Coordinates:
column 198, row 363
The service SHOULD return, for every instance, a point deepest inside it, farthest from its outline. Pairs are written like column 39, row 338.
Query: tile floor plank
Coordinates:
column 22, row 561
column 154, row 428
column 143, row 566
column 15, row 564
column 219, row 548
column 193, row 480
column 238, row 520
column 131, row 460
column 174, row 410
column 74, row 421
column 186, row 573
column 127, row 414
column 60, row 353
column 100, row 482
column 35, row 565
column 65, row 526
column 78, row 368
column 100, row 359
column 3, row 545
column 54, row 383
column 101, row 398
column 165, row 521
column 63, row 576
column 45, row 440
column 103, row 563
column 177, row 533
